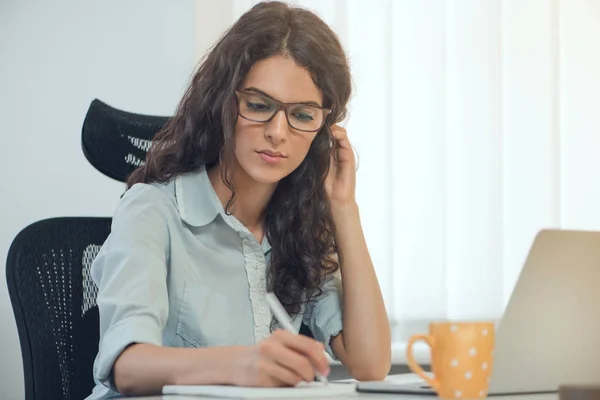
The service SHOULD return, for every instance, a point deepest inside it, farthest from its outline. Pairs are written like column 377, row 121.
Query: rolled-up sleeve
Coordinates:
column 324, row 313
column 131, row 274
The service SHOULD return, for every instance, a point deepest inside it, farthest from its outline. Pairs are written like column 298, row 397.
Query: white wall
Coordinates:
column 55, row 57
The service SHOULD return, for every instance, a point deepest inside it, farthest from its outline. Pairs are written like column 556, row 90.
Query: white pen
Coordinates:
column 286, row 322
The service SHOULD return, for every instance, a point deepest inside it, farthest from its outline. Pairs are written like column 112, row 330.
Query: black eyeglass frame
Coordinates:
column 279, row 106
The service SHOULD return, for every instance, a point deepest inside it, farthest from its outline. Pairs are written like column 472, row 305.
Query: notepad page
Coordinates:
column 313, row 389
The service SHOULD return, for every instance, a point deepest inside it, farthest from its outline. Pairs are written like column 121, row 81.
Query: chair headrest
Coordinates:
column 114, row 141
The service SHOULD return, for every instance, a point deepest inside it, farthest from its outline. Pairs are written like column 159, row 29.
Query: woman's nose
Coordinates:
column 277, row 128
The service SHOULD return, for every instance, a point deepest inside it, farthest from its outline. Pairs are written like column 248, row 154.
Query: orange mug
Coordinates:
column 461, row 358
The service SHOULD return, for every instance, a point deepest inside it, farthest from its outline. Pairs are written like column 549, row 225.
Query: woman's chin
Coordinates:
column 265, row 176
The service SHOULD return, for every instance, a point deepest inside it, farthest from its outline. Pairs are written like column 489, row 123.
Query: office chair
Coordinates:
column 48, row 266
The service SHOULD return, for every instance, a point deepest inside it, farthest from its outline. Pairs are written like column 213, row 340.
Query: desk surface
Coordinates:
column 364, row 396
column 400, row 378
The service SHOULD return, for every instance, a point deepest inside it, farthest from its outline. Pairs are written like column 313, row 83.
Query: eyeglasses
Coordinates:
column 261, row 108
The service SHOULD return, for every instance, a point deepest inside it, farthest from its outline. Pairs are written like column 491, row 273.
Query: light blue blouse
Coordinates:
column 178, row 271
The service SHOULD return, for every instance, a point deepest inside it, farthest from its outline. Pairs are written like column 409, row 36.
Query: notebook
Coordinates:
column 312, row 389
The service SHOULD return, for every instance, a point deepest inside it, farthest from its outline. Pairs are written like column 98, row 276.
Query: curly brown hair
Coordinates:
column 298, row 222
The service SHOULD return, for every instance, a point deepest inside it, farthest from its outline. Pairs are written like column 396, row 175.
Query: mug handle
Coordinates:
column 414, row 366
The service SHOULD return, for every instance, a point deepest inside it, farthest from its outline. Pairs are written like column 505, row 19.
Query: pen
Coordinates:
column 286, row 322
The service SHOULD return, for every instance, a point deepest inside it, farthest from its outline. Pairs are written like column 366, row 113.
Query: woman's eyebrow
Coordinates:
column 308, row 103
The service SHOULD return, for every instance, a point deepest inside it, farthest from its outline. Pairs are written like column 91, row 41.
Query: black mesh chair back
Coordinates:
column 54, row 302
column 114, row 141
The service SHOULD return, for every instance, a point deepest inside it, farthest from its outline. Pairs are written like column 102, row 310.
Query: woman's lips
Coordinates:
column 270, row 157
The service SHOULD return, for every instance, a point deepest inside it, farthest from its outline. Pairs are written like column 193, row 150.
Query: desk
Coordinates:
column 372, row 396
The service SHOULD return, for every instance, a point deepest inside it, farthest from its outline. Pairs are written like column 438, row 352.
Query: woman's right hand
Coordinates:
column 283, row 359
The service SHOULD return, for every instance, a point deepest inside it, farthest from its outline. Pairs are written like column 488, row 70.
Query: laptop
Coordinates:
column 549, row 335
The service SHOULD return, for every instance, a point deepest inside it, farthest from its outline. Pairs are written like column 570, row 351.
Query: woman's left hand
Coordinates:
column 340, row 183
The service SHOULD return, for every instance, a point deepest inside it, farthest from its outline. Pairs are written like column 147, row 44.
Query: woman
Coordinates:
column 250, row 188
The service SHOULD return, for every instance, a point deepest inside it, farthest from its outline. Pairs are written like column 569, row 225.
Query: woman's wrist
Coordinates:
column 210, row 366
column 228, row 363
column 345, row 212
